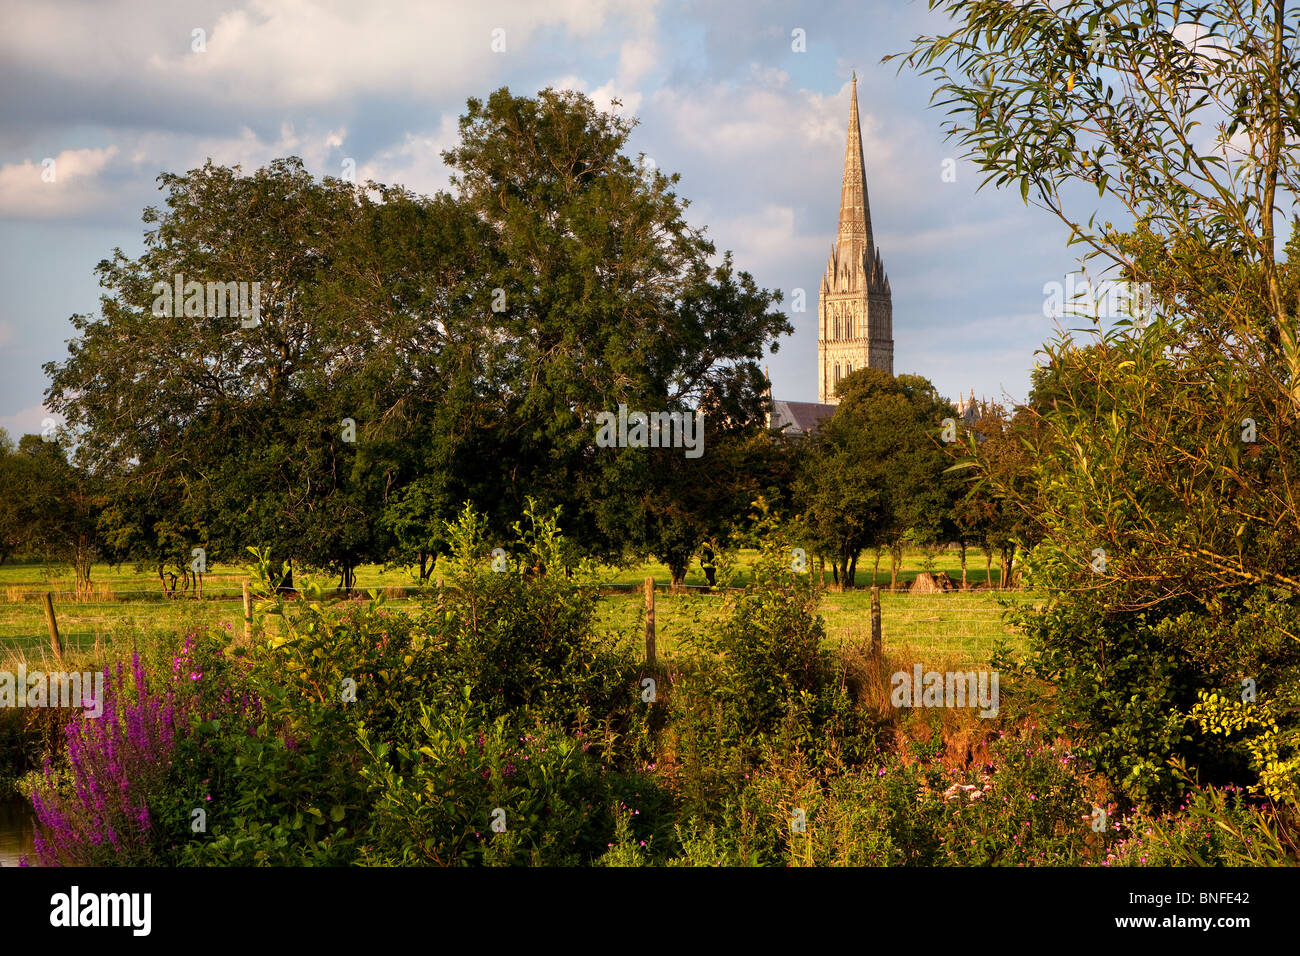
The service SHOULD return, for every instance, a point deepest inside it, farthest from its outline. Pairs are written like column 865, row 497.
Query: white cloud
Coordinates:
column 766, row 240
column 89, row 181
column 1196, row 37
column 291, row 52
column 603, row 96
column 27, row 422
column 416, row 162
column 74, row 184
column 798, row 134
column 636, row 59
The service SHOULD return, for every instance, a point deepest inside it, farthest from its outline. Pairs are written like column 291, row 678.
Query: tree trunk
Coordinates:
column 853, row 571
column 962, row 545
column 988, row 567
column 82, row 571
column 875, row 568
column 821, row 568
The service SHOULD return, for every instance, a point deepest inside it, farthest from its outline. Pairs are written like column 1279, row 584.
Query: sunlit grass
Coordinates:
column 129, row 605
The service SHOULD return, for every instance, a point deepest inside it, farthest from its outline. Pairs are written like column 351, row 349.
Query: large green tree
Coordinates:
column 601, row 295
column 875, row 473
column 233, row 421
column 13, row 525
column 1163, row 437
column 412, row 353
column 53, row 506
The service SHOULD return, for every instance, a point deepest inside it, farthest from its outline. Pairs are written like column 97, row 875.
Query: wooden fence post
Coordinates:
column 248, row 614
column 650, row 622
column 55, row 643
column 875, row 622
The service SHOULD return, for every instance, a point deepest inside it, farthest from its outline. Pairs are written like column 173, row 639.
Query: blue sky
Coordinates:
column 115, row 93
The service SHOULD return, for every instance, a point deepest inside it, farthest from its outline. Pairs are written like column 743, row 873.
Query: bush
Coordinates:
column 520, row 630
column 441, row 797
column 1125, row 681
column 765, row 669
column 1028, row 805
column 1212, row 826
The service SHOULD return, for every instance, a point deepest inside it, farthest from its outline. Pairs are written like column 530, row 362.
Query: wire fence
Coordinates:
column 952, row 625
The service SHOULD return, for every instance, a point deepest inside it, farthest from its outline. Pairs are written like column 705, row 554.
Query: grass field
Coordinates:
column 123, row 582
column 128, row 605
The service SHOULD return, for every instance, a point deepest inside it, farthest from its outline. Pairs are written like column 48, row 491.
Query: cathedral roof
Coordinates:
column 803, row 417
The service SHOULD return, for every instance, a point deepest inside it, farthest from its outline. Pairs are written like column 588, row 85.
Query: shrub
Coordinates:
column 274, row 759
column 521, row 632
column 1028, row 805
column 765, row 666
column 1125, row 681
column 1213, row 826
column 437, row 797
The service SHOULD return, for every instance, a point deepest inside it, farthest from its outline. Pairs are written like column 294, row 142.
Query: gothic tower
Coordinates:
column 855, row 310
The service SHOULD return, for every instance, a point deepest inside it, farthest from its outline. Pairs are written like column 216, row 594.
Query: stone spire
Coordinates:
column 856, row 309
column 853, row 240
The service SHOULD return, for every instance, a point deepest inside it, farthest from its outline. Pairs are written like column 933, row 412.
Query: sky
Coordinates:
column 116, row 92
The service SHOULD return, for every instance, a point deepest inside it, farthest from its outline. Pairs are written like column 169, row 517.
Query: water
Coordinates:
column 17, row 829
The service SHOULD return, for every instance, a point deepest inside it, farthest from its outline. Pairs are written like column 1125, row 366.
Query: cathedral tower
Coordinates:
column 855, row 311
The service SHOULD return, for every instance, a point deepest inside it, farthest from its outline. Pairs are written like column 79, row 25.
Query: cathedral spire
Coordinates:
column 854, row 239
column 856, row 314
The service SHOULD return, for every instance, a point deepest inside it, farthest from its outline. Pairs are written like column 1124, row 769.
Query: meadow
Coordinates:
column 129, row 603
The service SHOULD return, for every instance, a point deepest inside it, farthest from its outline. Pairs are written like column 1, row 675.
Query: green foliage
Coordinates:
column 413, row 353
column 51, row 507
column 519, row 629
column 438, row 794
column 275, row 764
column 1157, row 441
column 1127, row 681
column 1027, row 805
column 1212, row 827
column 873, row 475
column 765, row 672
column 1274, row 754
